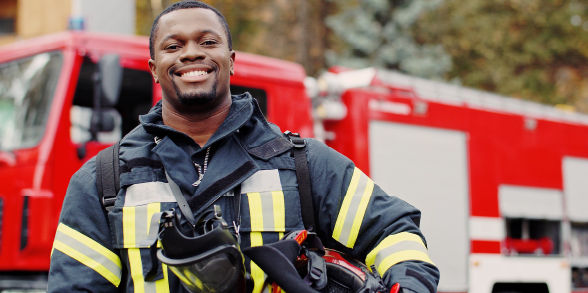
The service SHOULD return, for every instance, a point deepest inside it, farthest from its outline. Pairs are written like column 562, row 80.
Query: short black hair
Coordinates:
column 186, row 5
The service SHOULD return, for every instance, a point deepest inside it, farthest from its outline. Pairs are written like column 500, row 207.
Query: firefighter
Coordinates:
column 221, row 153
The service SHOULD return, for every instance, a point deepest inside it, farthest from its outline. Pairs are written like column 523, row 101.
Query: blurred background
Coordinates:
column 501, row 181
column 475, row 43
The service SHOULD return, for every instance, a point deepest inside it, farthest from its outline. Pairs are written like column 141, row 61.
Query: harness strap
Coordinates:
column 107, row 169
column 182, row 202
column 303, row 178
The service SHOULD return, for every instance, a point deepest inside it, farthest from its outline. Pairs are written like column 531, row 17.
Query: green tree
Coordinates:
column 379, row 33
column 533, row 49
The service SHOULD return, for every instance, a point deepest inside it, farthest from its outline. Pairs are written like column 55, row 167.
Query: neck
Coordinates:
column 198, row 125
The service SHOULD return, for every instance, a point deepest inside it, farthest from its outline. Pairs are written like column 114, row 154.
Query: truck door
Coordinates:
column 428, row 168
column 135, row 98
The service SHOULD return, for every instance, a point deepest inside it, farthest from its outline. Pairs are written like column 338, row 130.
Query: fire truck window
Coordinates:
column 532, row 236
column 26, row 92
column 579, row 251
column 259, row 94
column 579, row 240
column 136, row 98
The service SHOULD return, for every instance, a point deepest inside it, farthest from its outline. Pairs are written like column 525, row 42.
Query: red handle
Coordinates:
column 395, row 288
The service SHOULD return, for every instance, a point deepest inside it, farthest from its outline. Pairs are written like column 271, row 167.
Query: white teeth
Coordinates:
column 195, row 73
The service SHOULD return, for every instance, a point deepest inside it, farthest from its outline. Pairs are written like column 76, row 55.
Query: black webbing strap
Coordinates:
column 107, row 175
column 303, row 177
column 182, row 202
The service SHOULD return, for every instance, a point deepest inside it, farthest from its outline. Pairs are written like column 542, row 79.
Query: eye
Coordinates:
column 209, row 43
column 172, row 47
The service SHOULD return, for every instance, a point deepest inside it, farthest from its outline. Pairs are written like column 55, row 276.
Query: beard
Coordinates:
column 191, row 99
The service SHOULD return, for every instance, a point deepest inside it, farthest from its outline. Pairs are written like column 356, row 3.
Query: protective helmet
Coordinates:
column 345, row 274
column 300, row 263
column 207, row 261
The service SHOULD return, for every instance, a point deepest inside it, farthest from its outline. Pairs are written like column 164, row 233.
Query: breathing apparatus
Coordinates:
column 207, row 259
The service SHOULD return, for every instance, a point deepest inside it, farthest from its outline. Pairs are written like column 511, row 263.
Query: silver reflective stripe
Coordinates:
column 396, row 248
column 400, row 247
column 262, row 181
column 148, row 192
column 137, row 223
column 267, row 211
column 353, row 208
column 144, row 224
column 88, row 252
column 352, row 211
column 267, row 206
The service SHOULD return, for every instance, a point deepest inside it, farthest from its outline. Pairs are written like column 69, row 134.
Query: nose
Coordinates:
column 191, row 52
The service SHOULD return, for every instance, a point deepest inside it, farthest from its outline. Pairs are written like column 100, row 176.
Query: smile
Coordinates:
column 194, row 73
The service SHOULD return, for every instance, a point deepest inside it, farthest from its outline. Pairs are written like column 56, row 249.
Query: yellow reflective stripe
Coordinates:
column 89, row 242
column 279, row 211
column 396, row 248
column 402, row 256
column 88, row 252
column 365, row 199
column 353, row 208
column 162, row 286
column 268, row 213
column 129, row 227
column 256, row 273
column 255, row 211
column 345, row 206
column 136, row 268
column 112, row 277
column 136, row 222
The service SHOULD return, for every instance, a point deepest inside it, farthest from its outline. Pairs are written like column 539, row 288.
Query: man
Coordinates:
column 208, row 142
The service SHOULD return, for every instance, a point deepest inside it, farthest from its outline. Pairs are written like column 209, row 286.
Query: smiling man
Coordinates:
column 192, row 59
column 217, row 151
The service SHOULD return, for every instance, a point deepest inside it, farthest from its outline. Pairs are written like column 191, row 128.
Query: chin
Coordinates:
column 196, row 98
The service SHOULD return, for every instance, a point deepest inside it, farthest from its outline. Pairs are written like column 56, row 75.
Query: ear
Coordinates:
column 232, row 62
column 153, row 68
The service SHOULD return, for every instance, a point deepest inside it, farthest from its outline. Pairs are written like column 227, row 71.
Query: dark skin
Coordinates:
column 193, row 64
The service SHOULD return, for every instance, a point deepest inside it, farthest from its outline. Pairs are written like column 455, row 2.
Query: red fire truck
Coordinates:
column 500, row 181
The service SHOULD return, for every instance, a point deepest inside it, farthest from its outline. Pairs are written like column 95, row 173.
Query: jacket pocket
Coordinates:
column 269, row 206
column 136, row 237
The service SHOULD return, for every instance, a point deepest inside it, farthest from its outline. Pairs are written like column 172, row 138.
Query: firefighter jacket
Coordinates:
column 253, row 180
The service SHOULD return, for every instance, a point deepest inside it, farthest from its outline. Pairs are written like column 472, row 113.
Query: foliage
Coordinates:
column 533, row 49
column 289, row 30
column 378, row 33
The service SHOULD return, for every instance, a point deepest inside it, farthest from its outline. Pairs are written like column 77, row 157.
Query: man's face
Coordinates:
column 192, row 60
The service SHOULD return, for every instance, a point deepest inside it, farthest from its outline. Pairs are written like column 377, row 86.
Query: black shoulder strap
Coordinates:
column 303, row 177
column 107, row 175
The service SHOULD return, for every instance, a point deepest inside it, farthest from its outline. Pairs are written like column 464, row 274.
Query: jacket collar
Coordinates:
column 240, row 112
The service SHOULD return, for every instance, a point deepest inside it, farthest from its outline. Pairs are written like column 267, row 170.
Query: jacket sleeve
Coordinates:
column 356, row 216
column 83, row 258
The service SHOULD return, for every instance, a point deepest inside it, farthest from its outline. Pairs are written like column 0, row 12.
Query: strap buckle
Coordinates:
column 295, row 139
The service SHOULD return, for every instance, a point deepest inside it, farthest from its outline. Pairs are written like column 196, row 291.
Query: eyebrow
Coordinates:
column 202, row 32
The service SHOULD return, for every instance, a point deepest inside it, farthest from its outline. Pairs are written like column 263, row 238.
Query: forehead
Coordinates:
column 189, row 20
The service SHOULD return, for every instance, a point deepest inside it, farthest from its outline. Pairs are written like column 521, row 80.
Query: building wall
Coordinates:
column 38, row 17
column 33, row 18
